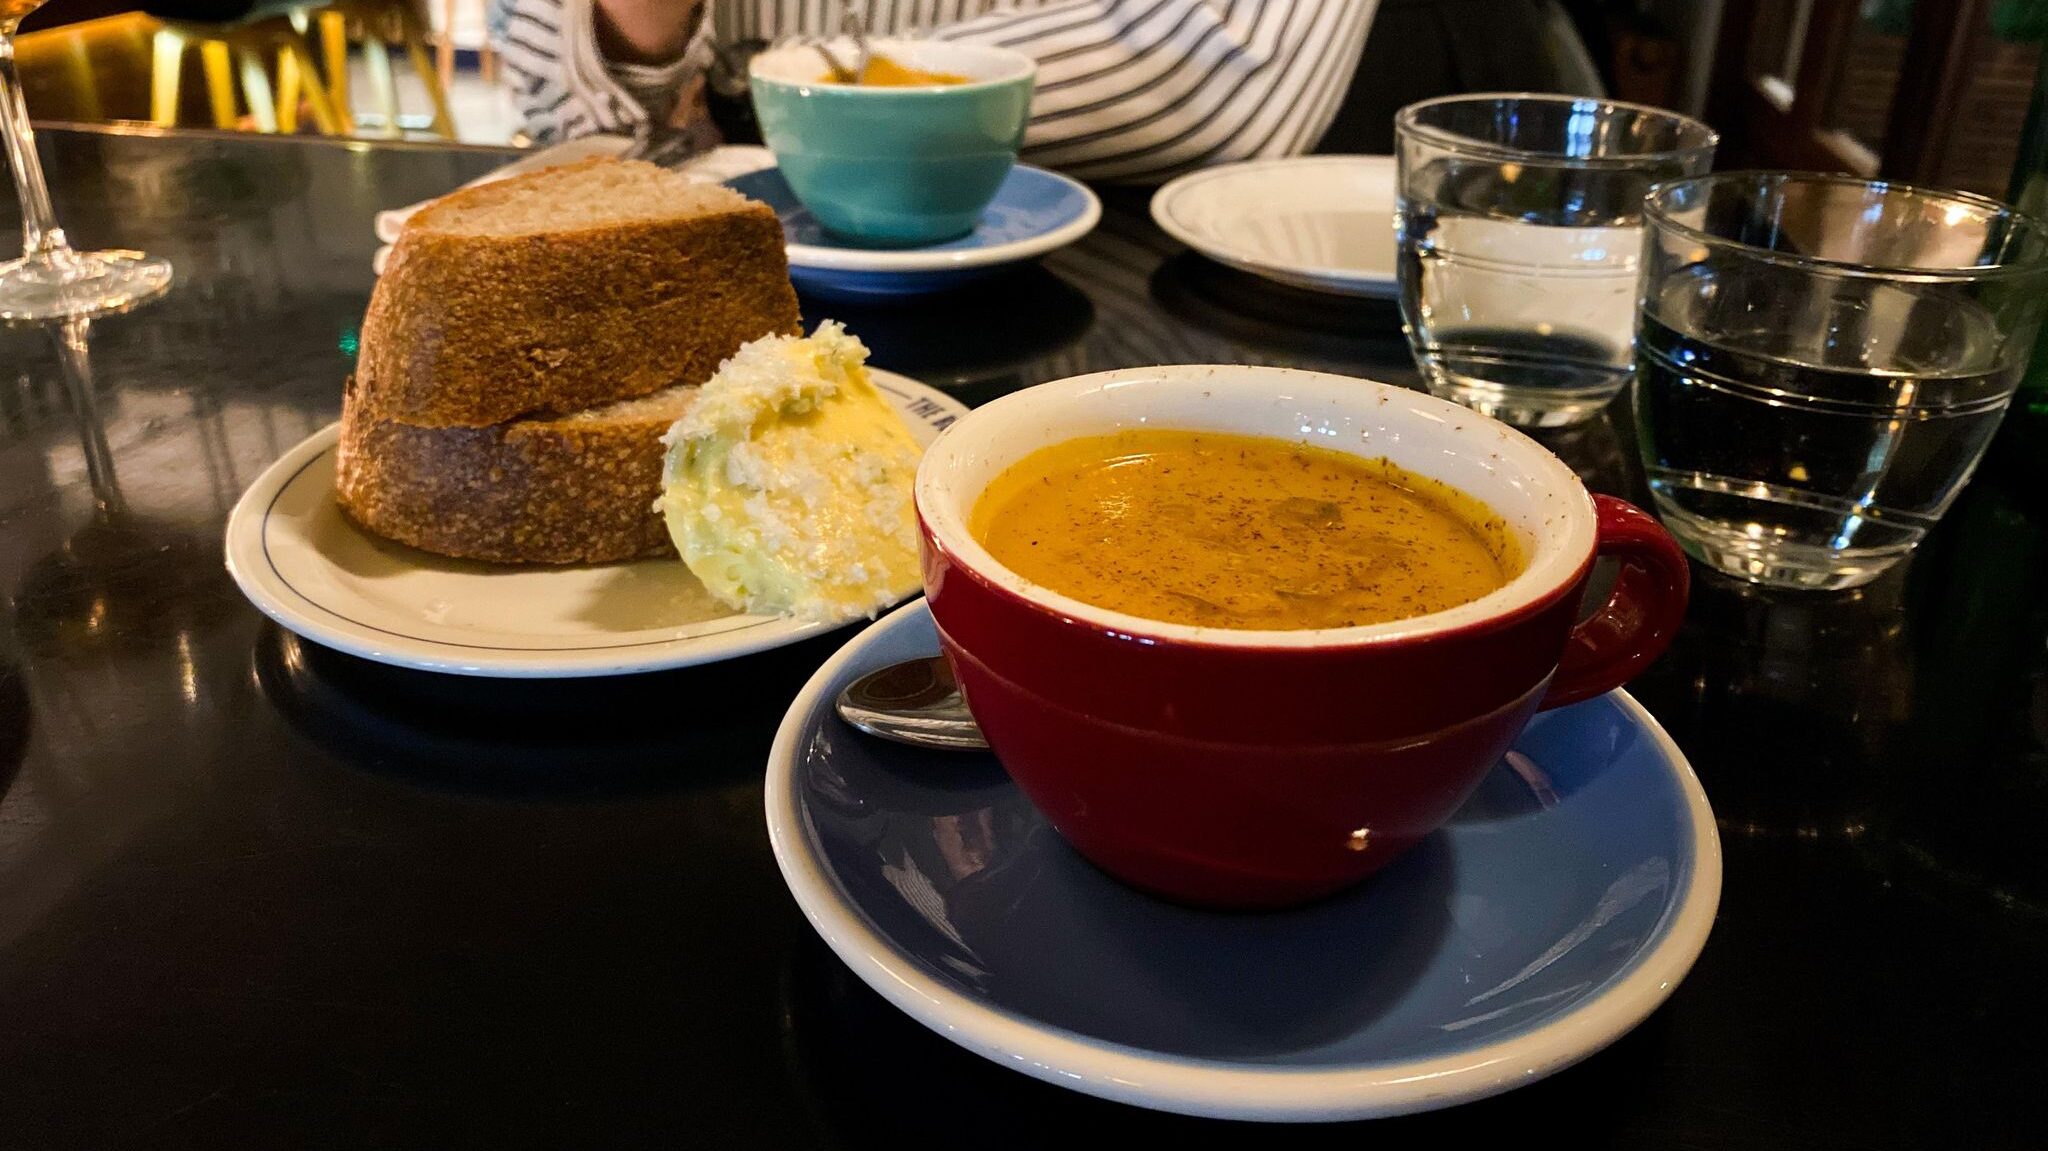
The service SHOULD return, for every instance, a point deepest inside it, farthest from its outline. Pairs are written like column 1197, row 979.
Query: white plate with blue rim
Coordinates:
column 1325, row 223
column 1034, row 212
column 1553, row 913
column 307, row 566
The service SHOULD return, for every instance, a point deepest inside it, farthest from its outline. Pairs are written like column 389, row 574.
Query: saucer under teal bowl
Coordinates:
column 1034, row 212
column 1560, row 907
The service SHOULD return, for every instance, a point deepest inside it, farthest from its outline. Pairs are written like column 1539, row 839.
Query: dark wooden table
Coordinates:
column 258, row 894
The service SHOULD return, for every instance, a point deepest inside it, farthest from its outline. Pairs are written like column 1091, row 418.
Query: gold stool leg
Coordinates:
column 444, row 50
column 287, row 91
column 324, row 116
column 334, row 49
column 167, row 56
column 256, row 88
column 78, row 62
column 220, row 82
column 415, row 46
column 377, row 61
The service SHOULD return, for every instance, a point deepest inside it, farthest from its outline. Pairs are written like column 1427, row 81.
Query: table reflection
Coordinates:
column 579, row 739
column 129, row 580
column 1823, row 682
column 221, row 837
column 1967, row 786
column 118, row 609
column 1601, row 450
column 948, row 341
column 1277, row 319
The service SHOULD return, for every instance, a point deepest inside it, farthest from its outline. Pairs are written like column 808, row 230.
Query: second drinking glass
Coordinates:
column 1823, row 361
column 1520, row 230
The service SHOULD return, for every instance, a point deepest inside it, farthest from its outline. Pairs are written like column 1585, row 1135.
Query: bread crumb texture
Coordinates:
column 567, row 490
column 566, row 289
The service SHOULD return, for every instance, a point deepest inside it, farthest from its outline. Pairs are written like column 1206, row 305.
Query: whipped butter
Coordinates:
column 787, row 486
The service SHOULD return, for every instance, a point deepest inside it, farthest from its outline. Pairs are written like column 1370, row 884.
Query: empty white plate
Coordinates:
column 1319, row 222
column 305, row 565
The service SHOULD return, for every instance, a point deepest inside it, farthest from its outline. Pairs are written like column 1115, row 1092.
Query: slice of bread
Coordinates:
column 558, row 489
column 566, row 289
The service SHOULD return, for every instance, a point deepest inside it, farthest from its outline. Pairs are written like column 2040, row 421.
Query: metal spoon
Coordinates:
column 853, row 26
column 915, row 702
column 840, row 72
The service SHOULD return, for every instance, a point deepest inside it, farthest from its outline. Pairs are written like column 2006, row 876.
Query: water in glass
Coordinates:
column 1523, row 319
column 1519, row 234
column 1805, row 418
column 1805, row 474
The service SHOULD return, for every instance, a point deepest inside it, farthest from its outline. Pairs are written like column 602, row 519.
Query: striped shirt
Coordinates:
column 1134, row 91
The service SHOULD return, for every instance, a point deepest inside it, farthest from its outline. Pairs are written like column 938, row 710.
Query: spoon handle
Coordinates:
column 839, row 71
column 853, row 25
column 915, row 702
column 910, row 730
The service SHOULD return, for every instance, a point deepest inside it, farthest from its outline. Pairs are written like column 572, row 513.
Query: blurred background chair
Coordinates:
column 244, row 51
column 281, row 66
column 1911, row 90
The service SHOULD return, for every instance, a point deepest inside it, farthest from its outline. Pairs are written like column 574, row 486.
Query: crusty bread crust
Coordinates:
column 556, row 491
column 474, row 330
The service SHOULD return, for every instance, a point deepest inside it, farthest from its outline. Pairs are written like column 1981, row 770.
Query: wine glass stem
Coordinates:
column 41, row 238
column 74, row 355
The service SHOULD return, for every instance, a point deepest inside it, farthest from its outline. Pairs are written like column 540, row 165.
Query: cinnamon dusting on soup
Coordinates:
column 1252, row 532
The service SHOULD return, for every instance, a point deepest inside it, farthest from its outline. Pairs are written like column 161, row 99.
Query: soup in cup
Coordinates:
column 897, row 163
column 1201, row 738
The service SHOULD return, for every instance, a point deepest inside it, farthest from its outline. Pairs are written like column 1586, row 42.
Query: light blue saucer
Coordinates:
column 1034, row 212
column 1554, row 913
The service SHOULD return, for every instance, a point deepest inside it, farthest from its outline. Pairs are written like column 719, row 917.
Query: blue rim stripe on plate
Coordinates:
column 256, row 571
column 916, row 406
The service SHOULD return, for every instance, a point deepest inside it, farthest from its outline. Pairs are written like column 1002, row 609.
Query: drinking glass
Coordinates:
column 50, row 280
column 1520, row 229
column 1821, row 362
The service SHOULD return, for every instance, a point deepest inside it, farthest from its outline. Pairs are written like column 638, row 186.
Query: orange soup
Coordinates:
column 883, row 72
column 1233, row 531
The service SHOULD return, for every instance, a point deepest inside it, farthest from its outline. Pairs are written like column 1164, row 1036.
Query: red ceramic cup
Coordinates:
column 1264, row 768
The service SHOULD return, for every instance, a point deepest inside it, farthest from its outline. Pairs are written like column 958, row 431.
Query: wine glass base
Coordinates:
column 71, row 285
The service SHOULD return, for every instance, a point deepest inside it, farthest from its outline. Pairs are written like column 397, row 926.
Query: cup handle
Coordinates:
column 1640, row 616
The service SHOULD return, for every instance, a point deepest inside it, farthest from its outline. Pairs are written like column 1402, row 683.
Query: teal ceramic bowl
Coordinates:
column 895, row 167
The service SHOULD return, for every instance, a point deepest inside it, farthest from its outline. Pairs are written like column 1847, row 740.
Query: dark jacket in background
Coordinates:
column 1423, row 48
